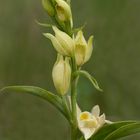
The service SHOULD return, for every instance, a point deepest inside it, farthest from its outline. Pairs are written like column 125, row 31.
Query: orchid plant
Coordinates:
column 73, row 51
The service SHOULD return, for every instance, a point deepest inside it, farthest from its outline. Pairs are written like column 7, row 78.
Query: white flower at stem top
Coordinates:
column 90, row 122
column 83, row 49
column 62, row 42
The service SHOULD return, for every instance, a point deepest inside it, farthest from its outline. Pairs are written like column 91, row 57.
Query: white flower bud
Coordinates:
column 61, row 75
column 62, row 42
column 63, row 11
column 47, row 4
column 83, row 50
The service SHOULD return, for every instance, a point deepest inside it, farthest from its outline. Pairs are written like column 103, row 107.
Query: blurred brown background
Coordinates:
column 27, row 58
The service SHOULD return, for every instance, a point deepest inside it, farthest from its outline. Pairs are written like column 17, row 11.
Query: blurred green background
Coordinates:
column 27, row 58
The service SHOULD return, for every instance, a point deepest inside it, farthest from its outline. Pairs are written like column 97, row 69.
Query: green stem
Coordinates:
column 66, row 107
column 74, row 110
column 82, row 138
column 74, row 81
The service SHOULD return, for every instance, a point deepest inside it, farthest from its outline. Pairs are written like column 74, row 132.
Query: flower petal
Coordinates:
column 78, row 110
column 77, row 107
column 80, row 38
column 63, row 10
column 80, row 124
column 102, row 120
column 95, row 111
column 65, row 40
column 87, row 132
column 80, row 54
column 58, row 78
column 55, row 43
column 108, row 122
column 89, row 49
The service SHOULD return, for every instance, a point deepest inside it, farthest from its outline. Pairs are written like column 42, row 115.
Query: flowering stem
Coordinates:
column 74, row 81
column 82, row 138
column 66, row 107
column 74, row 111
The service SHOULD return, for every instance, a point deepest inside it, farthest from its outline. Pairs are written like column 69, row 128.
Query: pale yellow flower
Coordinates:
column 61, row 75
column 89, row 123
column 62, row 42
column 83, row 49
column 63, row 10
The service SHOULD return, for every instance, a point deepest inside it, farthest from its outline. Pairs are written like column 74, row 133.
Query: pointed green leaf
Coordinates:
column 109, row 128
column 91, row 78
column 42, row 93
column 43, row 24
column 79, row 29
column 124, row 131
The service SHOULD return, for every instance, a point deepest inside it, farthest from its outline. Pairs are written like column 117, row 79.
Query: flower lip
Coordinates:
column 85, row 116
column 91, row 123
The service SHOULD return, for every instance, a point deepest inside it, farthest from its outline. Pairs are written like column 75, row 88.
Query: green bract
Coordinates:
column 48, row 6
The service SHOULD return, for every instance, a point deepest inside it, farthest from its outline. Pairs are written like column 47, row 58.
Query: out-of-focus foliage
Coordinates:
column 26, row 58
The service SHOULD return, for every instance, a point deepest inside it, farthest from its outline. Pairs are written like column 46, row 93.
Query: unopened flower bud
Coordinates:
column 48, row 6
column 62, row 42
column 63, row 10
column 61, row 75
column 83, row 49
